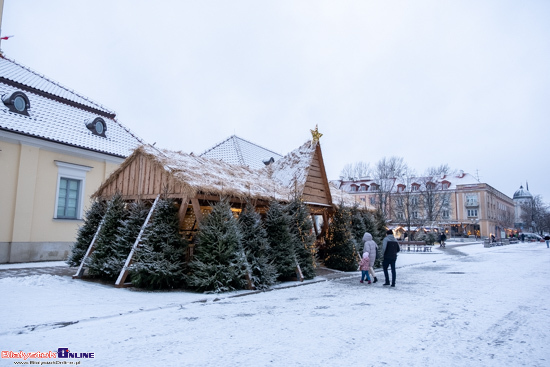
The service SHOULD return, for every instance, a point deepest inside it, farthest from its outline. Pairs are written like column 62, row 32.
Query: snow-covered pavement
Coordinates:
column 464, row 306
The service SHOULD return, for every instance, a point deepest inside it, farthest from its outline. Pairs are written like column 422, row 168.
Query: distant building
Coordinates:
column 56, row 148
column 458, row 204
column 521, row 197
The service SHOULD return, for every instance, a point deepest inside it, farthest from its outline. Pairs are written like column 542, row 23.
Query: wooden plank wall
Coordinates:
column 315, row 189
column 143, row 179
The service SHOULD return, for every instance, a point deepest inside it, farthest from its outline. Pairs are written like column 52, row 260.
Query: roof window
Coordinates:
column 97, row 126
column 17, row 102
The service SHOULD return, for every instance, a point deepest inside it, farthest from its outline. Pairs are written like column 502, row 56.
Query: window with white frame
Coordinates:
column 414, row 201
column 445, row 214
column 400, row 215
column 71, row 180
column 372, row 200
column 414, row 215
column 472, row 212
column 471, row 200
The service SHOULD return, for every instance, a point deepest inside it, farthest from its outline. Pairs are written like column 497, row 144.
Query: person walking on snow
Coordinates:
column 442, row 239
column 547, row 239
column 364, row 267
column 390, row 248
column 372, row 248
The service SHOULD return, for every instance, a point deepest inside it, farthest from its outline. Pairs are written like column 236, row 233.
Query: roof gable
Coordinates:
column 59, row 115
column 236, row 150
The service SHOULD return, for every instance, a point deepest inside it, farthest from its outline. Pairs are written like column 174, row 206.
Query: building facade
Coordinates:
column 457, row 204
column 56, row 148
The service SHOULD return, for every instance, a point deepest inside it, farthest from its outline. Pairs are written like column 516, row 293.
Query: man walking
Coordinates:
column 390, row 248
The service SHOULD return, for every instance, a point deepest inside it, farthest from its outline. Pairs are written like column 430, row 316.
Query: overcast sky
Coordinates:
column 463, row 83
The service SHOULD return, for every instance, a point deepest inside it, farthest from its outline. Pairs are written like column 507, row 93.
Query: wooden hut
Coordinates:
column 197, row 182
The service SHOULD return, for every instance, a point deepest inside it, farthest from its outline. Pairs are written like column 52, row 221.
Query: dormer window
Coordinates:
column 97, row 126
column 17, row 102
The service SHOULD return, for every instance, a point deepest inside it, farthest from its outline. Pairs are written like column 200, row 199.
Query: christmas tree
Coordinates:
column 105, row 261
column 86, row 232
column 219, row 263
column 358, row 229
column 301, row 228
column 277, row 226
column 340, row 252
column 380, row 229
column 160, row 259
column 256, row 247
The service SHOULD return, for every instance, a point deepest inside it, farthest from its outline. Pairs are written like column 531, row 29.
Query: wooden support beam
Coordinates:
column 299, row 274
column 324, row 230
column 124, row 272
column 183, row 210
column 197, row 209
column 91, row 248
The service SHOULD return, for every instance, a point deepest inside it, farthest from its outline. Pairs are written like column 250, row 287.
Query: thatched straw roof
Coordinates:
column 209, row 176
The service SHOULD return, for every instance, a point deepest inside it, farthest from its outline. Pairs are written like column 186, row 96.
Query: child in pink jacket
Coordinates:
column 364, row 267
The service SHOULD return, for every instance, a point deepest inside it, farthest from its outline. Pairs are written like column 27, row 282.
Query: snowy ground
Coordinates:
column 465, row 306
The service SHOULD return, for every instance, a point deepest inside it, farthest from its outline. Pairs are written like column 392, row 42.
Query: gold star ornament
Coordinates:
column 316, row 135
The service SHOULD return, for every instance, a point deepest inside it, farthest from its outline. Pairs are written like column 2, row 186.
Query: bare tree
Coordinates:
column 435, row 200
column 533, row 214
column 386, row 172
column 356, row 170
column 441, row 171
column 405, row 202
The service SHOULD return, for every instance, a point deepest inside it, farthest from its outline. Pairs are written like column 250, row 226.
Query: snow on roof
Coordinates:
column 291, row 171
column 51, row 118
column 453, row 180
column 216, row 177
column 342, row 198
column 18, row 73
column 236, row 150
column 213, row 176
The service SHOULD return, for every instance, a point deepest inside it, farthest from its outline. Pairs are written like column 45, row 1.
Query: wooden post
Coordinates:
column 80, row 270
column 124, row 272
column 183, row 210
column 299, row 274
column 197, row 209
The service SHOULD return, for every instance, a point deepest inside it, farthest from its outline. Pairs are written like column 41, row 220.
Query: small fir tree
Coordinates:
column 160, row 260
column 301, row 228
column 256, row 247
column 277, row 226
column 340, row 250
column 125, row 238
column 103, row 262
column 219, row 263
column 86, row 232
column 380, row 228
column 358, row 229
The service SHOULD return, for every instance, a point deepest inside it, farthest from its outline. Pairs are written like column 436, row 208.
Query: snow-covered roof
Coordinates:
column 214, row 176
column 292, row 170
column 367, row 183
column 236, row 150
column 198, row 174
column 58, row 114
column 522, row 194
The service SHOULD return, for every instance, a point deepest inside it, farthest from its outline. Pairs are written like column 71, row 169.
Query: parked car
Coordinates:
column 532, row 237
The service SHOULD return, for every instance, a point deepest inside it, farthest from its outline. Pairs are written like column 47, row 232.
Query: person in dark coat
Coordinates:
column 547, row 239
column 390, row 248
column 442, row 239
